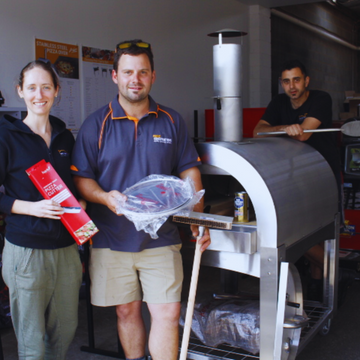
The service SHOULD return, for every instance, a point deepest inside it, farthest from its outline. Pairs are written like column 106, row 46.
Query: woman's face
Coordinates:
column 38, row 91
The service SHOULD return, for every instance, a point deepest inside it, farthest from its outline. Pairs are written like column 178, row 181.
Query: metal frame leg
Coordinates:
column 268, row 300
column 331, row 265
column 280, row 313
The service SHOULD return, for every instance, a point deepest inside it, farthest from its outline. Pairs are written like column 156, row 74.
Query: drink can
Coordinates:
column 241, row 204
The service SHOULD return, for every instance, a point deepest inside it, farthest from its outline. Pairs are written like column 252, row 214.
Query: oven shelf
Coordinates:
column 198, row 351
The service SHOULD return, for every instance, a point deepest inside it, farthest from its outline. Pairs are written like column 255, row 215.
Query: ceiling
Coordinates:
column 352, row 5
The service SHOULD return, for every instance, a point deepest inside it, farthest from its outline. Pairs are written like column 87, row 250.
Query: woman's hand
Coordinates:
column 46, row 209
column 42, row 209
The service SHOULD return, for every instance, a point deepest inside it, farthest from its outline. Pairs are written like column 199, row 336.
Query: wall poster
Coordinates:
column 99, row 89
column 65, row 60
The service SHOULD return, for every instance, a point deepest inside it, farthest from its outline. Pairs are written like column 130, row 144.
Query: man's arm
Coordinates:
column 264, row 126
column 90, row 190
column 296, row 131
column 194, row 174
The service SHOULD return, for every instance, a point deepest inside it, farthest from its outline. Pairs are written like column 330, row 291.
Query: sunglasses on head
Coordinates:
column 127, row 44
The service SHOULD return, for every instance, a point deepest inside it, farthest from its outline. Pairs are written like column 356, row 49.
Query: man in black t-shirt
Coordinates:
column 293, row 112
column 299, row 109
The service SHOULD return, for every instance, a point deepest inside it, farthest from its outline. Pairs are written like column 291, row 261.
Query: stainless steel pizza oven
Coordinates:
column 293, row 193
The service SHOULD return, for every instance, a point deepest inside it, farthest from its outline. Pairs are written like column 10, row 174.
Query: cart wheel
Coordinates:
column 295, row 317
column 326, row 328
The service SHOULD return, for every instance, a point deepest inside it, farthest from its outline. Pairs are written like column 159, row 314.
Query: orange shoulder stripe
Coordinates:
column 103, row 125
column 172, row 120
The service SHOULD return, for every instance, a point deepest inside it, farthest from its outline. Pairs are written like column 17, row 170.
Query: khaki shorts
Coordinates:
column 153, row 275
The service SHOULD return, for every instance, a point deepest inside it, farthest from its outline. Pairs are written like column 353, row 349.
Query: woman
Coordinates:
column 41, row 264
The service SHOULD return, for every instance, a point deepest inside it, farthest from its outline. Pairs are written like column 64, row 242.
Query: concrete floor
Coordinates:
column 342, row 342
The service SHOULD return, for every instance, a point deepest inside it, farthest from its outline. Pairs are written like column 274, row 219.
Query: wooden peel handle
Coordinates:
column 191, row 299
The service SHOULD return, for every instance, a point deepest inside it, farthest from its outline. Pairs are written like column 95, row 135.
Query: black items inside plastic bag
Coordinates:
column 154, row 198
column 232, row 322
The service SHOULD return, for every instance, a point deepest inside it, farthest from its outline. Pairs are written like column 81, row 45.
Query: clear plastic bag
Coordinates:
column 233, row 322
column 153, row 199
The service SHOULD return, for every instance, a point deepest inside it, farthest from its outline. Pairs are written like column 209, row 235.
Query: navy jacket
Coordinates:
column 20, row 148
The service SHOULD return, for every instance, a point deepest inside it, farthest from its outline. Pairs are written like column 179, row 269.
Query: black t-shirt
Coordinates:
column 318, row 105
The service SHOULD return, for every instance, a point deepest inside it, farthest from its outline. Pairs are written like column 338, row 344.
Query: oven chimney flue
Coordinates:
column 227, row 87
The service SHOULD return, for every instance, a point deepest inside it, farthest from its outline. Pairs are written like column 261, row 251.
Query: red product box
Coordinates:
column 51, row 186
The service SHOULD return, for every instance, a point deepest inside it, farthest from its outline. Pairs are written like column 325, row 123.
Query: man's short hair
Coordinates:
column 292, row 64
column 132, row 48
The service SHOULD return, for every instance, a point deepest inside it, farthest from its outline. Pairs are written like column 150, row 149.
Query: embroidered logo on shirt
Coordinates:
column 302, row 118
column 159, row 139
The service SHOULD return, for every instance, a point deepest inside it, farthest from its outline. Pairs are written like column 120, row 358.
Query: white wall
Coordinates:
column 177, row 31
column 259, row 56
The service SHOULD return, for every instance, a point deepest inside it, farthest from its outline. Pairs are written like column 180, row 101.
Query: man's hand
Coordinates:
column 90, row 190
column 83, row 203
column 113, row 199
column 205, row 239
column 294, row 130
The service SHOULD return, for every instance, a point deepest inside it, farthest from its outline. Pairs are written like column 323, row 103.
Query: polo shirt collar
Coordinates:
column 119, row 113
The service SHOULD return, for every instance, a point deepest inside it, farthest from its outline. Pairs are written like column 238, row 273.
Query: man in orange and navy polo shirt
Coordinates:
column 118, row 145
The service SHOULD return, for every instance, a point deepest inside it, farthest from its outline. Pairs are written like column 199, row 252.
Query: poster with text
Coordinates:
column 65, row 60
column 99, row 89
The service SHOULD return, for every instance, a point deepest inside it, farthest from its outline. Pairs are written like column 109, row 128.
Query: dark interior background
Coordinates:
column 332, row 67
